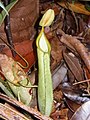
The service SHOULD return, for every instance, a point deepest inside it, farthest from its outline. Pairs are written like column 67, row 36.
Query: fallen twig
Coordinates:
column 80, row 82
column 29, row 110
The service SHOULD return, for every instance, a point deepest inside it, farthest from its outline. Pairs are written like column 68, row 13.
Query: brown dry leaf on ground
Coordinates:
column 16, row 78
column 60, row 115
column 10, row 113
column 56, row 52
column 11, row 70
column 82, row 113
column 76, row 7
column 74, row 66
column 80, row 48
column 20, row 106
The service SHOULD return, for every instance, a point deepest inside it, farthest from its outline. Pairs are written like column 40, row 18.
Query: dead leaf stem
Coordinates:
column 80, row 82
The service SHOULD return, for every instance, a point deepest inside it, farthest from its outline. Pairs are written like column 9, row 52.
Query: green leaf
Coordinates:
column 2, row 6
column 6, row 90
column 22, row 93
column 8, row 8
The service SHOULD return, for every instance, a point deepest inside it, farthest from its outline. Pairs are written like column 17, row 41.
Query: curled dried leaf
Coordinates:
column 79, row 47
column 16, row 78
column 11, row 70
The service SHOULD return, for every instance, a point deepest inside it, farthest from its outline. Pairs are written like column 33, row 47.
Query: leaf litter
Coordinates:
column 69, row 36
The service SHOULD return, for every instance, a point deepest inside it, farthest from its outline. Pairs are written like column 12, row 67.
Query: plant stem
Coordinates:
column 7, row 29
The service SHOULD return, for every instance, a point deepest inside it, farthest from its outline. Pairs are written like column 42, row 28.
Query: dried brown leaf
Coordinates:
column 56, row 52
column 76, row 7
column 80, row 48
column 20, row 105
column 74, row 66
column 58, row 75
column 82, row 113
column 10, row 113
column 16, row 78
column 62, row 115
column 64, row 41
column 74, row 93
column 58, row 95
column 11, row 70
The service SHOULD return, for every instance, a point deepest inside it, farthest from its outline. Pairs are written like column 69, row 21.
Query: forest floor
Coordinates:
column 69, row 36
